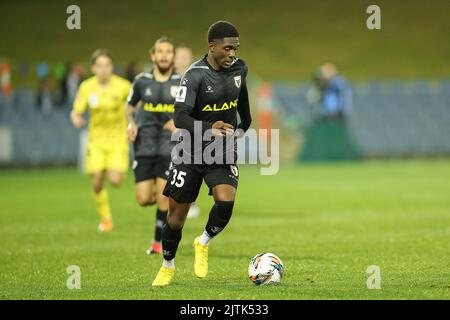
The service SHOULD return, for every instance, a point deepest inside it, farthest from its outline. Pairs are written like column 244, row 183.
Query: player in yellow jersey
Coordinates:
column 104, row 96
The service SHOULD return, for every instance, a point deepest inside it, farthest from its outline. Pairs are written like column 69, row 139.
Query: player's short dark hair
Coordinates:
column 222, row 29
column 162, row 40
column 100, row 52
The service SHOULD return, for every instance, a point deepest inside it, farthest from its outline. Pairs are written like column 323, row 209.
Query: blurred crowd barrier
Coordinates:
column 388, row 120
column 30, row 136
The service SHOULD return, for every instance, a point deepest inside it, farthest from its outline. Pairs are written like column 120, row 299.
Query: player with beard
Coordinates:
column 149, row 111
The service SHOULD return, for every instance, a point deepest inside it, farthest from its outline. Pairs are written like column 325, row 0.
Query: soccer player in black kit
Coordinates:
column 212, row 92
column 154, row 92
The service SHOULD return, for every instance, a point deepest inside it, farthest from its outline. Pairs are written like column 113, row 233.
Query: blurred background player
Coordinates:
column 183, row 59
column 151, row 130
column 103, row 96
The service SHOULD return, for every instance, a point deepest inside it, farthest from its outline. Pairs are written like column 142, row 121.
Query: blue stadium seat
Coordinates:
column 394, row 118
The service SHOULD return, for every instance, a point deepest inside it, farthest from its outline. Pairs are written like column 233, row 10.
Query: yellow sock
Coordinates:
column 102, row 204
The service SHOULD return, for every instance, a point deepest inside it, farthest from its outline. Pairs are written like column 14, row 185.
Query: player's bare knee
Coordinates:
column 115, row 183
column 145, row 200
column 115, row 180
column 224, row 196
column 224, row 193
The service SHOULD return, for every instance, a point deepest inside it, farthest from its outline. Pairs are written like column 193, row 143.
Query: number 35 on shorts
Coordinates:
column 178, row 178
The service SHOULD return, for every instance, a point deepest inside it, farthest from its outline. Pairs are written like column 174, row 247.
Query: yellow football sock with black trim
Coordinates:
column 102, row 204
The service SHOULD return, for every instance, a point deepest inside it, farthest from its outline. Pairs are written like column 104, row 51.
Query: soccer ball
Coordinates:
column 265, row 268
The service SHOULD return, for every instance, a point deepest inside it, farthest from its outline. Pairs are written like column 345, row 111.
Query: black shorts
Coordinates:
column 147, row 168
column 185, row 180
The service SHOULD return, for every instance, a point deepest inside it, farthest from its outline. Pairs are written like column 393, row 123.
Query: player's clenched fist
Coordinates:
column 222, row 128
column 77, row 120
column 132, row 132
column 169, row 126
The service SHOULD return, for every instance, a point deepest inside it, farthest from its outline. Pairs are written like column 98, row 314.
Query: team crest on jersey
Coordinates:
column 148, row 92
column 234, row 170
column 93, row 100
column 237, row 81
column 173, row 91
column 181, row 94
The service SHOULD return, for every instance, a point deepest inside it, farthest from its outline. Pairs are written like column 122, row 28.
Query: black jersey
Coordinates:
column 157, row 108
column 209, row 95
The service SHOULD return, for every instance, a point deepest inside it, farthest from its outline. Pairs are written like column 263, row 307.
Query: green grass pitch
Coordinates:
column 327, row 222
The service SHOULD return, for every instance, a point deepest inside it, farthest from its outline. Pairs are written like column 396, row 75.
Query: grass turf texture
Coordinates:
column 327, row 222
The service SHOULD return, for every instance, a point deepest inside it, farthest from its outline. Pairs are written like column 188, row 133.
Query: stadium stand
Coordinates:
column 38, row 138
column 389, row 119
